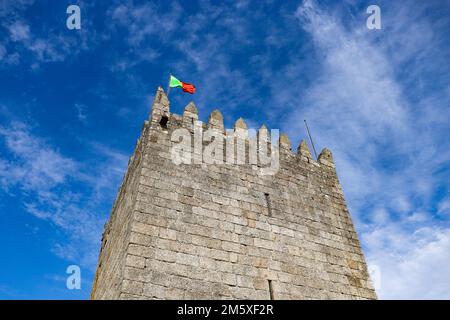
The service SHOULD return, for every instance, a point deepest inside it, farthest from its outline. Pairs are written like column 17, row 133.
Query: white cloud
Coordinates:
column 418, row 216
column 145, row 20
column 444, row 207
column 412, row 265
column 45, row 178
column 37, row 166
column 12, row 8
column 46, row 44
column 19, row 31
column 380, row 216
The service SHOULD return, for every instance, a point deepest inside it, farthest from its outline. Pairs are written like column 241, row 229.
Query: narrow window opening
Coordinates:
column 163, row 121
column 271, row 290
column 269, row 208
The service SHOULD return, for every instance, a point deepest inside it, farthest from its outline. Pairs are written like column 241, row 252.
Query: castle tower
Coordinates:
column 202, row 229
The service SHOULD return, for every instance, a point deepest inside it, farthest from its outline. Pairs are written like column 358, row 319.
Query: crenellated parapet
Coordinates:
column 215, row 121
column 303, row 151
column 261, row 139
column 160, row 112
column 190, row 116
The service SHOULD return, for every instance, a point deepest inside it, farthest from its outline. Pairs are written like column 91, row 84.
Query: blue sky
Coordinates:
column 72, row 103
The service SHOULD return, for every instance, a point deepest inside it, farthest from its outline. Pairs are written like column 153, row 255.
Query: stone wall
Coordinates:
column 194, row 231
column 109, row 276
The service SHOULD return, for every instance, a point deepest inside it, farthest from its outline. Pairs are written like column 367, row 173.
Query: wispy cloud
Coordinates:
column 413, row 264
column 19, row 31
column 25, row 37
column 47, row 181
column 204, row 62
column 136, row 20
column 444, row 207
column 36, row 166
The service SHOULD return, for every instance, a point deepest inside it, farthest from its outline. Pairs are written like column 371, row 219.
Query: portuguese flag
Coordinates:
column 187, row 87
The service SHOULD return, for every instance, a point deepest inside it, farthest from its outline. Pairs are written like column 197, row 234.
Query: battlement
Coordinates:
column 162, row 119
column 195, row 225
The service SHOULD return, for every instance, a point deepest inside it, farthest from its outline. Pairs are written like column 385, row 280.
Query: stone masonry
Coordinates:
column 220, row 231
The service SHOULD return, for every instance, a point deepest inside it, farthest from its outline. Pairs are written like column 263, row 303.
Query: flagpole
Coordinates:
column 310, row 138
column 168, row 85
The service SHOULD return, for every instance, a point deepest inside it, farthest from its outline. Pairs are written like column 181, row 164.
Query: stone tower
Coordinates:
column 226, row 231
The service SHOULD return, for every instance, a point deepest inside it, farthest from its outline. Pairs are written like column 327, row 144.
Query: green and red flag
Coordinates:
column 187, row 87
